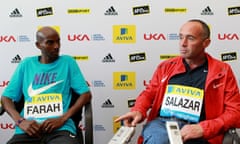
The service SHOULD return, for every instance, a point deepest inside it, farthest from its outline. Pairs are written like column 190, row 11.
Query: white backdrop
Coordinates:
column 90, row 31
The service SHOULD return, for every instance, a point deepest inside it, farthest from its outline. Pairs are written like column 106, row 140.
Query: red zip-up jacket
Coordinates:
column 221, row 96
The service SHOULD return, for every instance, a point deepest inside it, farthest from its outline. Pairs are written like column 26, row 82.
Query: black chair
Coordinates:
column 87, row 119
column 231, row 137
column 85, row 137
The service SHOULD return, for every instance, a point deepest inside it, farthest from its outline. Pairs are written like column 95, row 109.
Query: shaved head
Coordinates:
column 205, row 31
column 45, row 32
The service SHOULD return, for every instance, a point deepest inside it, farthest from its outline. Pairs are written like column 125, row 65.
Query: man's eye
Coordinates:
column 50, row 42
column 191, row 38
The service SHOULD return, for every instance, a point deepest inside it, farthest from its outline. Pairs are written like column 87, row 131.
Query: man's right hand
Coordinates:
column 31, row 127
column 130, row 119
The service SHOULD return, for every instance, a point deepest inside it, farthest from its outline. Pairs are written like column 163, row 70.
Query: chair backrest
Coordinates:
column 88, row 119
column 88, row 123
column 1, row 108
column 77, row 117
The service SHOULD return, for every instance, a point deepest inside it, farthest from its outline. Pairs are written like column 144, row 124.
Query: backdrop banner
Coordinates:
column 117, row 44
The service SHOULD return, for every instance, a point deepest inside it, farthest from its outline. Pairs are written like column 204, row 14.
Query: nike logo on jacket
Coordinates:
column 32, row 92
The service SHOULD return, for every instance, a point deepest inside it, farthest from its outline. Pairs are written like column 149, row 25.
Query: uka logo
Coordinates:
column 228, row 36
column 4, row 84
column 155, row 36
column 78, row 37
column 7, row 126
column 7, row 39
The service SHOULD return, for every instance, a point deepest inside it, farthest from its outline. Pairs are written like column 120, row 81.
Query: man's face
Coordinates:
column 192, row 44
column 50, row 46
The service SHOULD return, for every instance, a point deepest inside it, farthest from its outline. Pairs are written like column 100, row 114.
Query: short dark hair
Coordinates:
column 206, row 29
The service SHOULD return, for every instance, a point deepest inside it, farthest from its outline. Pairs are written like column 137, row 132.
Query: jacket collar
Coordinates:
column 215, row 68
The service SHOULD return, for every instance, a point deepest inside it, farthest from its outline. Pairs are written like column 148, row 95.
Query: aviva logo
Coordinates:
column 124, row 34
column 124, row 80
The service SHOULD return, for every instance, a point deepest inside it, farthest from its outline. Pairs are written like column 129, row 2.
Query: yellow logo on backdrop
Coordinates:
column 116, row 125
column 81, row 57
column 124, row 80
column 124, row 34
column 175, row 10
column 57, row 28
column 164, row 57
column 78, row 11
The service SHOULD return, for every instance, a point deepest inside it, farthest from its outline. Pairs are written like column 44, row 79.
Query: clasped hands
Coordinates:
column 34, row 129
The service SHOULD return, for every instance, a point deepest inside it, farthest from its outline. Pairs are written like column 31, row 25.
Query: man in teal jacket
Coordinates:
column 194, row 89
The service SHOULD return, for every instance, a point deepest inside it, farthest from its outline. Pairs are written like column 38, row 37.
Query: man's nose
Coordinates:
column 56, row 45
column 183, row 42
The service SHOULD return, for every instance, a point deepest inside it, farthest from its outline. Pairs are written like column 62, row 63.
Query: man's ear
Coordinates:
column 38, row 45
column 206, row 43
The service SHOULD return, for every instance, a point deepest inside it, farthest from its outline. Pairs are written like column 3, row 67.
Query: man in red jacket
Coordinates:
column 197, row 91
